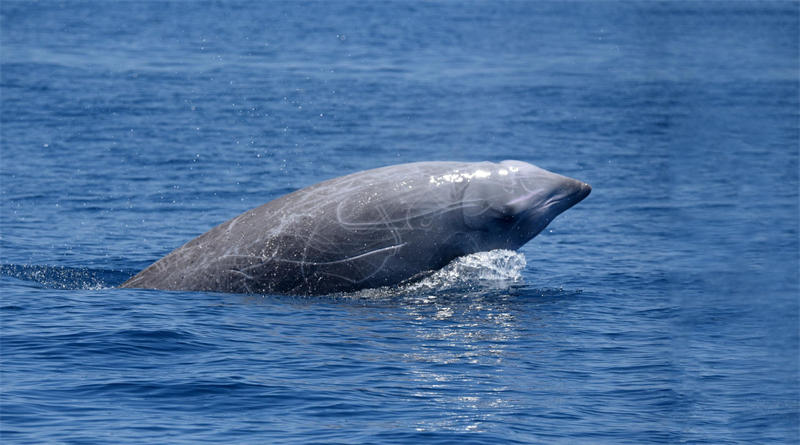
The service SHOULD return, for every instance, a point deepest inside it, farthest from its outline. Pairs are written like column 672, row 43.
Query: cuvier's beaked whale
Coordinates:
column 369, row 229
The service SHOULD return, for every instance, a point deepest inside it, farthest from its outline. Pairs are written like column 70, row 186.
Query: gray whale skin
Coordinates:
column 369, row 229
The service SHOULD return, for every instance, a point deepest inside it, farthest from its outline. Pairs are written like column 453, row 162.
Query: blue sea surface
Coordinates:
column 662, row 309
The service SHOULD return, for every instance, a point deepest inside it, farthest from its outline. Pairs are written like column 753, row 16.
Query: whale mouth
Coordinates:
column 578, row 192
column 534, row 219
column 578, row 195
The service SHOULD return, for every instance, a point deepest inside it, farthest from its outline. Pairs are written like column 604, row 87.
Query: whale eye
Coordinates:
column 506, row 212
column 506, row 217
column 501, row 214
column 487, row 204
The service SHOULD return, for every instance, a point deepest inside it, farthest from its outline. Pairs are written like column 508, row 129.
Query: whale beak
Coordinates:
column 576, row 191
column 558, row 192
column 583, row 191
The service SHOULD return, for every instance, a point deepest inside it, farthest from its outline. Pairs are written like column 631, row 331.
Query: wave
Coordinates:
column 62, row 277
column 496, row 269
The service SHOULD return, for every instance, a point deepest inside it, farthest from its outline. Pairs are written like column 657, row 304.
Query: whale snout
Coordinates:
column 583, row 191
column 570, row 192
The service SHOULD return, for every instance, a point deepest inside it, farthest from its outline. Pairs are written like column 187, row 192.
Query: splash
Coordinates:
column 479, row 272
column 495, row 268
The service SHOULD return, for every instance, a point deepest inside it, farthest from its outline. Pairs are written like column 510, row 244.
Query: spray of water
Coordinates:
column 493, row 269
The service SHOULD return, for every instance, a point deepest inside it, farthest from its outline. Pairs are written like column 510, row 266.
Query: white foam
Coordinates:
column 495, row 268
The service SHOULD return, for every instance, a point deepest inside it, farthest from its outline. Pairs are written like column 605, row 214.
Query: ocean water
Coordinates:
column 662, row 309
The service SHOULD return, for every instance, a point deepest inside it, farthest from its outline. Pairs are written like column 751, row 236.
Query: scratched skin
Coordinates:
column 369, row 229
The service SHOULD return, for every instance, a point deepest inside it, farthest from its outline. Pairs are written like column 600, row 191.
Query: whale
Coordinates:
column 374, row 228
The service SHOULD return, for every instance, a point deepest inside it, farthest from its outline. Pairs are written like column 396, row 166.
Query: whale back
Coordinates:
column 368, row 229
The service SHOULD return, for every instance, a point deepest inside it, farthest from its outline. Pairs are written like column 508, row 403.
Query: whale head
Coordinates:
column 512, row 201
